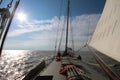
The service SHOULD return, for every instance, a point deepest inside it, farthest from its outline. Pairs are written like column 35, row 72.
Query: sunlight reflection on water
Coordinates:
column 16, row 63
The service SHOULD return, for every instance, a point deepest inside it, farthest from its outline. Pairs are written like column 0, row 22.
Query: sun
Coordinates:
column 21, row 16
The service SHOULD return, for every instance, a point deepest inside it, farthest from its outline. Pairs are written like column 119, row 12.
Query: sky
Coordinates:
column 35, row 23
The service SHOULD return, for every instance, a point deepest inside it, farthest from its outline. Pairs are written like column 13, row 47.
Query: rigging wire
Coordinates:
column 62, row 29
column 56, row 40
column 88, row 34
column 81, row 48
column 4, row 23
column 72, row 37
column 8, row 25
column 1, row 1
column 71, row 29
column 10, row 4
column 88, row 38
column 4, row 16
column 58, row 29
column 72, row 34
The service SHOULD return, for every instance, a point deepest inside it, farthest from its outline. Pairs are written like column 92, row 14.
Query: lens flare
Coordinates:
column 21, row 16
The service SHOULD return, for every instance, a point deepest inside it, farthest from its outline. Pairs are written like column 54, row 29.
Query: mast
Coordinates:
column 68, row 9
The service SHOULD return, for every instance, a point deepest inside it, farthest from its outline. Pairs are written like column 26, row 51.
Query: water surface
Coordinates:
column 14, row 64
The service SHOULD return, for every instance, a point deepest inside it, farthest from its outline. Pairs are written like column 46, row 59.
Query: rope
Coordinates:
column 75, row 73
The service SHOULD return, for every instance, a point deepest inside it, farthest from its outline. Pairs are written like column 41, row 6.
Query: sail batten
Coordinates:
column 106, row 37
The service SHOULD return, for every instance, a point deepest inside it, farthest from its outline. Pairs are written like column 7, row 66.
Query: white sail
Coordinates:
column 106, row 37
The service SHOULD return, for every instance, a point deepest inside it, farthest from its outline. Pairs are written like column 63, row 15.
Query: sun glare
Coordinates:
column 21, row 16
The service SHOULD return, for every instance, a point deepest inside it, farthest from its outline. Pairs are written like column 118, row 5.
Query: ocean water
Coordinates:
column 15, row 64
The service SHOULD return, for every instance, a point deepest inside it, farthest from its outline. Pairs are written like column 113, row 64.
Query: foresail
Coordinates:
column 106, row 37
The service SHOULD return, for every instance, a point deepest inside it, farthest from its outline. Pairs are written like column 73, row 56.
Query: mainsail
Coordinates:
column 106, row 37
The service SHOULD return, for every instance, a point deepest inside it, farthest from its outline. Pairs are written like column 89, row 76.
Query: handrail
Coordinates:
column 35, row 71
column 32, row 74
column 109, row 72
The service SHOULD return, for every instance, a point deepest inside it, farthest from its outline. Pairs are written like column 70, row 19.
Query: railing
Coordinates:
column 108, row 71
column 33, row 73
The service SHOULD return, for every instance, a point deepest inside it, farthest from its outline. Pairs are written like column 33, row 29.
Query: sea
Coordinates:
column 15, row 64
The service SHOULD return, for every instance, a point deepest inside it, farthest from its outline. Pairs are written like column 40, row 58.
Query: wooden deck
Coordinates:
column 53, row 70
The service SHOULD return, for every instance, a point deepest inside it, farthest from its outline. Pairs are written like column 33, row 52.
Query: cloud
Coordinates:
column 29, row 44
column 34, row 26
column 42, row 33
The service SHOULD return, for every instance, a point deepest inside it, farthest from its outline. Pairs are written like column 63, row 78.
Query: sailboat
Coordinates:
column 105, row 39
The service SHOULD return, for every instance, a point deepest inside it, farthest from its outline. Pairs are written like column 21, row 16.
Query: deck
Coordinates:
column 53, row 69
